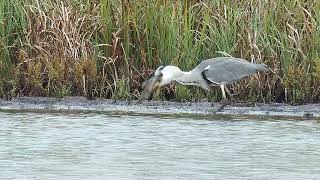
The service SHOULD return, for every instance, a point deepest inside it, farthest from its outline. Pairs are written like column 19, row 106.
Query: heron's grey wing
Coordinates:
column 231, row 71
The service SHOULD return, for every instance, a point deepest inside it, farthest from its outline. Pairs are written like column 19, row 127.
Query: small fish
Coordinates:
column 149, row 86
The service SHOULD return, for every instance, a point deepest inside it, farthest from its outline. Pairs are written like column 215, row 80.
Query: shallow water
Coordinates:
column 115, row 146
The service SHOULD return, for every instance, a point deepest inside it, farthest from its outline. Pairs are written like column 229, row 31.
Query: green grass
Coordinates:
column 107, row 48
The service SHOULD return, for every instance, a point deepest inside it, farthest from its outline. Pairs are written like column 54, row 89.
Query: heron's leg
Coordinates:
column 222, row 86
column 224, row 101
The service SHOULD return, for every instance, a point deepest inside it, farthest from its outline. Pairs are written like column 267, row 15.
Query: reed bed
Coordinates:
column 107, row 48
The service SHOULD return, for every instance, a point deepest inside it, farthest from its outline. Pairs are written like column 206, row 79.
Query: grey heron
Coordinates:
column 219, row 71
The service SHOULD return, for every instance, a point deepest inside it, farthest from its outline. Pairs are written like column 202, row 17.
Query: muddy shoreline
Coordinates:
column 81, row 104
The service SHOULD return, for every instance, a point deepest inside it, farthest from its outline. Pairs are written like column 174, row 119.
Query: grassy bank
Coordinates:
column 107, row 48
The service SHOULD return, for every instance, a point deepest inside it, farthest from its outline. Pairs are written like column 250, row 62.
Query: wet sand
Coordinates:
column 81, row 104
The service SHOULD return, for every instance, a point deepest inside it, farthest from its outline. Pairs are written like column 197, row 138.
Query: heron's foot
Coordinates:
column 223, row 104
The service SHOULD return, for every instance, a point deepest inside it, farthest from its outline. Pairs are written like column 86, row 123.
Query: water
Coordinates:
column 101, row 146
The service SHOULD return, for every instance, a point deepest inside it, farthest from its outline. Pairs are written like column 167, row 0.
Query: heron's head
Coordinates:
column 162, row 76
column 168, row 74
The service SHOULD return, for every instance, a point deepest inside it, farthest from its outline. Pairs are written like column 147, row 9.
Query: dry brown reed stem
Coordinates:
column 107, row 48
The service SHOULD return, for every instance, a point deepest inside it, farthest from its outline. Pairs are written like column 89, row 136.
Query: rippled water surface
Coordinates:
column 102, row 146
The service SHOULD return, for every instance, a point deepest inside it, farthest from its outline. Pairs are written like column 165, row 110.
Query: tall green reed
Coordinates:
column 120, row 42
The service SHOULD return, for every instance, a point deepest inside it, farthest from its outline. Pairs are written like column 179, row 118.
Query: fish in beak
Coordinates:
column 149, row 86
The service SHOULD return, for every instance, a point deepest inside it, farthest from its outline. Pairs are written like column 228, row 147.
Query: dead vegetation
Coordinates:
column 107, row 48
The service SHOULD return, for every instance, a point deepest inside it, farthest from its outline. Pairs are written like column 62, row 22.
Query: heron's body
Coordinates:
column 219, row 71
column 212, row 72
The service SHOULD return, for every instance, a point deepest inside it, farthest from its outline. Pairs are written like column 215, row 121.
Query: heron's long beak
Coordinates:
column 149, row 86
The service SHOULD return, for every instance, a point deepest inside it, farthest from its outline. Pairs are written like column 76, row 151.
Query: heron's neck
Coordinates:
column 185, row 78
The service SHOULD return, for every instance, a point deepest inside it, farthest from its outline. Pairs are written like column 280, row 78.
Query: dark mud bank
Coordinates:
column 81, row 104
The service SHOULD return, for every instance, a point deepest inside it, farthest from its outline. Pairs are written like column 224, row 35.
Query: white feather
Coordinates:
column 207, row 67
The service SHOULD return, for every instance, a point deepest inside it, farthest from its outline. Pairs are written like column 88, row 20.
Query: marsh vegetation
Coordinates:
column 107, row 48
